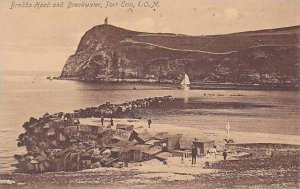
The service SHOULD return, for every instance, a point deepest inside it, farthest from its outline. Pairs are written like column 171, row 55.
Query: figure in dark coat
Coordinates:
column 224, row 155
column 194, row 154
column 102, row 120
column 149, row 123
column 111, row 122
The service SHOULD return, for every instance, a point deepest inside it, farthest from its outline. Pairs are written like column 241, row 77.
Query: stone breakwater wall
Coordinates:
column 59, row 142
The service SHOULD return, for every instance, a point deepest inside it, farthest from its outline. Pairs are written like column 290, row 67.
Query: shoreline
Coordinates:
column 194, row 85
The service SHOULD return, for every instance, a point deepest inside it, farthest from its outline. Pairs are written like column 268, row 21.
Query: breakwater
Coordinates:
column 59, row 142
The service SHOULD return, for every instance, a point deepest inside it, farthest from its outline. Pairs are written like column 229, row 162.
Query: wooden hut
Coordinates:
column 203, row 145
column 185, row 148
column 150, row 153
column 142, row 135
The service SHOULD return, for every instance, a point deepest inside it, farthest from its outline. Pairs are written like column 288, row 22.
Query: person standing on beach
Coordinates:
column 102, row 120
column 111, row 122
column 224, row 155
column 194, row 154
column 149, row 123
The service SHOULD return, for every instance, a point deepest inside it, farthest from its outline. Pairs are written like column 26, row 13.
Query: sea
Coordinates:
column 30, row 94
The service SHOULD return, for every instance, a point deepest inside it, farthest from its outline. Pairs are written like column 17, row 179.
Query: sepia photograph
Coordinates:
column 116, row 94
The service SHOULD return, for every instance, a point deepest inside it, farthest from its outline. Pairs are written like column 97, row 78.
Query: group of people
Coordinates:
column 112, row 122
column 195, row 153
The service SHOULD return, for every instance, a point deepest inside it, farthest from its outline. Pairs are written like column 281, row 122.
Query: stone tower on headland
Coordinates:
column 106, row 21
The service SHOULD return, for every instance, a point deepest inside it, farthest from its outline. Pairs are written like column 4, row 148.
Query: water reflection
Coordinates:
column 186, row 94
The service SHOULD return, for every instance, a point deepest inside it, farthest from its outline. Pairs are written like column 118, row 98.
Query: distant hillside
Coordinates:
column 109, row 53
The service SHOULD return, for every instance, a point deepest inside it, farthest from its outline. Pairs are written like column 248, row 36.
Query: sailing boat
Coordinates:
column 185, row 82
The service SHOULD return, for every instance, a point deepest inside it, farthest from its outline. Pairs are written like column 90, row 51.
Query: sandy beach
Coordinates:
column 216, row 135
column 176, row 173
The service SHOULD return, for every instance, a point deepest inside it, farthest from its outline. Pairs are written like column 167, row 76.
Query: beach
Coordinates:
column 178, row 174
column 192, row 132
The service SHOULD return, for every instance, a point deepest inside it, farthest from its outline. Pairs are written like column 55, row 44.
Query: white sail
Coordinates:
column 186, row 80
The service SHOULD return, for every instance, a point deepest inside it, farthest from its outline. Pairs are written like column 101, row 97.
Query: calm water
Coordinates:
column 30, row 94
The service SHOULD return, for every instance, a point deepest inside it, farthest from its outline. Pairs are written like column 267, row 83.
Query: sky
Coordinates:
column 42, row 39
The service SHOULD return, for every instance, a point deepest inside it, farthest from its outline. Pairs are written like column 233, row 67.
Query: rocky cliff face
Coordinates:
column 109, row 53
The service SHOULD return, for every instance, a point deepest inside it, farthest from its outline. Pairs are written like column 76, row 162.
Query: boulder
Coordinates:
column 86, row 164
column 18, row 157
column 46, row 115
column 106, row 153
column 43, row 146
column 61, row 137
column 96, row 165
column 41, row 167
column 33, row 120
column 7, row 182
column 25, row 125
column 56, row 153
column 41, row 157
column 118, row 165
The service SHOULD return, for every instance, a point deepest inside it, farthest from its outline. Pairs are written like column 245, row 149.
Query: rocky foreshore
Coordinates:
column 274, row 159
column 59, row 142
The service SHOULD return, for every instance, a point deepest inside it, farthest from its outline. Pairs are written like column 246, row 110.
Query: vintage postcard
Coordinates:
column 149, row 94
